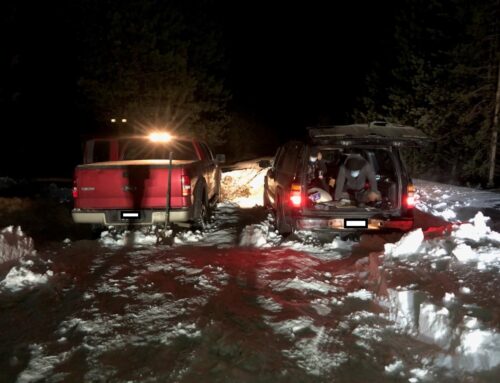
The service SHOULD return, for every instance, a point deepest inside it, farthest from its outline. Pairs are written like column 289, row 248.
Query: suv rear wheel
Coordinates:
column 284, row 228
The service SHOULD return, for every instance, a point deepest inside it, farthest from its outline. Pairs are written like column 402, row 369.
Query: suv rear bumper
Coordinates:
column 146, row 217
column 336, row 224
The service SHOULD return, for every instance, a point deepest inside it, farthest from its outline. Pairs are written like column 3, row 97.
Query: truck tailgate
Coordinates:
column 129, row 186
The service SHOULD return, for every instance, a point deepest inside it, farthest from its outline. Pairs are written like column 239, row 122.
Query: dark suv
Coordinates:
column 288, row 193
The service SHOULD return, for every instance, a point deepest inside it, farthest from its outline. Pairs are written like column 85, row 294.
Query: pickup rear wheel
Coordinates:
column 201, row 212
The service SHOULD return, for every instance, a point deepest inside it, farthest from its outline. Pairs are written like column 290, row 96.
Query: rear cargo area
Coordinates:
column 321, row 193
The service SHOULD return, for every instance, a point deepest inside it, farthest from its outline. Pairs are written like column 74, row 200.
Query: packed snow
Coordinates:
column 324, row 318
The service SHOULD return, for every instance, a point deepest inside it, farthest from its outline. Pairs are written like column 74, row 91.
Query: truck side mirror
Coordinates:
column 264, row 164
column 220, row 158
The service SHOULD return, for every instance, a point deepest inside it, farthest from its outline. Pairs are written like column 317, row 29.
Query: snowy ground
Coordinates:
column 239, row 303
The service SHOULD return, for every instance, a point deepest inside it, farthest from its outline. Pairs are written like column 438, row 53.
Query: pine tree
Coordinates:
column 441, row 82
column 157, row 64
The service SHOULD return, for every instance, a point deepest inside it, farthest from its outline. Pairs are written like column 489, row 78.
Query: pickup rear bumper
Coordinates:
column 146, row 217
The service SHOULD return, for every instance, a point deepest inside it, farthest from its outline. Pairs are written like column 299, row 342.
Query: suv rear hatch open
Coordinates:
column 378, row 143
column 378, row 132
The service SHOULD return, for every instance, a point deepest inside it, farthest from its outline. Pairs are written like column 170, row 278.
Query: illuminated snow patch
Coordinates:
column 309, row 243
column 188, row 237
column 361, row 294
column 112, row 238
column 419, row 374
column 290, row 328
column 296, row 283
column 269, row 304
column 244, row 187
column 321, row 306
column 394, row 368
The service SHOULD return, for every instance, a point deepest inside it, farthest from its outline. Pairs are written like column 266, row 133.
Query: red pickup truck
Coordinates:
column 126, row 181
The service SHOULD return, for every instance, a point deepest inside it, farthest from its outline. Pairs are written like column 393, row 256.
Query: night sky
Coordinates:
column 298, row 65
column 288, row 66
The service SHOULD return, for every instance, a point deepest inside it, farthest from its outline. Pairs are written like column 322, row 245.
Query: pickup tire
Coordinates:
column 201, row 210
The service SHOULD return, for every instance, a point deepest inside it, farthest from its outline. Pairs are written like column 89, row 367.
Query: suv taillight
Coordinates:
column 186, row 186
column 296, row 195
column 410, row 196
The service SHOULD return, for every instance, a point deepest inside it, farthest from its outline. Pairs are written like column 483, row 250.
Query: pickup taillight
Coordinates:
column 75, row 189
column 186, row 185
column 296, row 195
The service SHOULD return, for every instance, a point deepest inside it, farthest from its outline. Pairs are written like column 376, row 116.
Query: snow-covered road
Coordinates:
column 239, row 303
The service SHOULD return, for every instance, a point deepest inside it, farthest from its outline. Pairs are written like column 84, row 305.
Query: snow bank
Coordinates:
column 410, row 243
column 113, row 237
column 14, row 244
column 434, row 325
column 404, row 307
column 476, row 242
column 308, row 284
column 452, row 202
column 479, row 350
column 311, row 345
column 188, row 237
column 41, row 366
column 468, row 346
column 260, row 235
column 20, row 277
column 469, row 242
column 477, row 230
column 394, row 368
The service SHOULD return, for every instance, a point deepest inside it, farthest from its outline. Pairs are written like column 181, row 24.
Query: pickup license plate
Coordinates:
column 130, row 215
column 359, row 223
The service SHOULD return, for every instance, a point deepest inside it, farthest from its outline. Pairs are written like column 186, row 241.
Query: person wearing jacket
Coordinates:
column 316, row 170
column 352, row 179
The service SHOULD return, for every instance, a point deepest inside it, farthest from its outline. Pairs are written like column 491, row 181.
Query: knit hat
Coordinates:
column 355, row 163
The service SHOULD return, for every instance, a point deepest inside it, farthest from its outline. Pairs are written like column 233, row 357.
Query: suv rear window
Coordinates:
column 145, row 150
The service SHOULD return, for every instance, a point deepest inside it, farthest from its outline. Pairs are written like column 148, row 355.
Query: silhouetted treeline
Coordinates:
column 440, row 74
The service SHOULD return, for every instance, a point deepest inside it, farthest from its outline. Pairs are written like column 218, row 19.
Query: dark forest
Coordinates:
column 247, row 77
